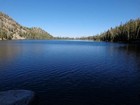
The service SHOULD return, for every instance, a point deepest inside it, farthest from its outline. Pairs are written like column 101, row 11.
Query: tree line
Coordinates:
column 128, row 32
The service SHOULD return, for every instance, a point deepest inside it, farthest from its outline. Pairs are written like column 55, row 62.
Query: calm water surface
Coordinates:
column 72, row 72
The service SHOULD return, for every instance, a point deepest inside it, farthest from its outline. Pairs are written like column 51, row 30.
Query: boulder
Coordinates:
column 17, row 97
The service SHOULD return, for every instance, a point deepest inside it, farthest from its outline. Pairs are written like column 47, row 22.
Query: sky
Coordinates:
column 71, row 18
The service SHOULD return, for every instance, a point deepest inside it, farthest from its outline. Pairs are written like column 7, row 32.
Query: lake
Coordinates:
column 72, row 72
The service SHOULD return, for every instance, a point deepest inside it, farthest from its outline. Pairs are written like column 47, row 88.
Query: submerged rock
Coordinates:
column 16, row 97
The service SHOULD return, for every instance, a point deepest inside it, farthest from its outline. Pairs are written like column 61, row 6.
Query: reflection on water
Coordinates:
column 72, row 72
column 8, row 51
column 132, row 50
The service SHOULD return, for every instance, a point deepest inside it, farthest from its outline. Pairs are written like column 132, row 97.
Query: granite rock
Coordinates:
column 16, row 97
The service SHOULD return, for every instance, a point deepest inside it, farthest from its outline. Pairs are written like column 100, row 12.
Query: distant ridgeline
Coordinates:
column 10, row 29
column 127, row 32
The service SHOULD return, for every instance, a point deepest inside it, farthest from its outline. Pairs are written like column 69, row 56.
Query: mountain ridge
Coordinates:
column 11, row 30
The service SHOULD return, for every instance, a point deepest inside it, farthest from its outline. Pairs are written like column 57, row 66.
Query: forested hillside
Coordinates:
column 127, row 32
column 10, row 29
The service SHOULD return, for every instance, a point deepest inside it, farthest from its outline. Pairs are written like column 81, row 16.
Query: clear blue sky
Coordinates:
column 71, row 18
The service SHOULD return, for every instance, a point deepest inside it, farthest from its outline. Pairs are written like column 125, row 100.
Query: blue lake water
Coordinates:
column 72, row 72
